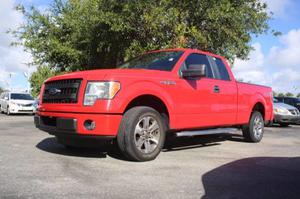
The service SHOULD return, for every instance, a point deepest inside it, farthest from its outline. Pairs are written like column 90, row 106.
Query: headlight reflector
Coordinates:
column 100, row 90
column 281, row 111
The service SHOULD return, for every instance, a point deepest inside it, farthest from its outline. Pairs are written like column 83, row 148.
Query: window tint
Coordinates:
column 164, row 60
column 279, row 99
column 198, row 59
column 20, row 96
column 289, row 101
column 220, row 69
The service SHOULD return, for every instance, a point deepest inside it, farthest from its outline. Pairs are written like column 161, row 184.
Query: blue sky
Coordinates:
column 274, row 61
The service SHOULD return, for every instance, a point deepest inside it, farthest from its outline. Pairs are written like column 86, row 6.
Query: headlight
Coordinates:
column 281, row 111
column 13, row 104
column 100, row 90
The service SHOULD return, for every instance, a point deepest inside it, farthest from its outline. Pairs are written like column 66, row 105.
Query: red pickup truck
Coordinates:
column 186, row 92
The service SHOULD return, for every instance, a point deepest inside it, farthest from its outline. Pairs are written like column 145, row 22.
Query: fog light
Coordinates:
column 89, row 124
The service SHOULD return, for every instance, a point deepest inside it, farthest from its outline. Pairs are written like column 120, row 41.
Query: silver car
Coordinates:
column 13, row 103
column 285, row 114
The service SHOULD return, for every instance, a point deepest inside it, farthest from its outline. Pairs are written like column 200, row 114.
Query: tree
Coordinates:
column 38, row 77
column 298, row 95
column 1, row 89
column 86, row 34
column 275, row 93
column 280, row 95
column 288, row 94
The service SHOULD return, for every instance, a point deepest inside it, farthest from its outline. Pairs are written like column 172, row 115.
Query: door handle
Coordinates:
column 216, row 89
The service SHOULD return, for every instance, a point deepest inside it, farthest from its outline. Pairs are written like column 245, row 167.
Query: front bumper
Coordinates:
column 22, row 110
column 288, row 119
column 72, row 124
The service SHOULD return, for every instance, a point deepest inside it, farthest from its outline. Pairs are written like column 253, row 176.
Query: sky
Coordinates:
column 275, row 61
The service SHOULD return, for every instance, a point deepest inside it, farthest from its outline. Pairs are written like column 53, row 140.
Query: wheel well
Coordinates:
column 151, row 101
column 260, row 108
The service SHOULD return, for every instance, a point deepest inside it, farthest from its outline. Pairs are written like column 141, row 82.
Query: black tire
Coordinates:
column 250, row 131
column 127, row 136
column 284, row 124
column 7, row 111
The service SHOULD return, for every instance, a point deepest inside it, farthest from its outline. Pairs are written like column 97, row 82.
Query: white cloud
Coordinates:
column 278, row 7
column 12, row 59
column 288, row 55
column 280, row 68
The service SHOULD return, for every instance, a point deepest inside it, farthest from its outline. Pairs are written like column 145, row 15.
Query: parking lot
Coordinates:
column 33, row 165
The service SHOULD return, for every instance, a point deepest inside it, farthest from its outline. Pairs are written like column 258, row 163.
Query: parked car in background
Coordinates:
column 285, row 114
column 14, row 103
column 293, row 101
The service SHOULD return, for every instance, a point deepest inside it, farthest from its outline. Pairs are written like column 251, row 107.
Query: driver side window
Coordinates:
column 197, row 59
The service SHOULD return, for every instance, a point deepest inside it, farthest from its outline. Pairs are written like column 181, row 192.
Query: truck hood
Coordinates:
column 23, row 102
column 283, row 105
column 110, row 74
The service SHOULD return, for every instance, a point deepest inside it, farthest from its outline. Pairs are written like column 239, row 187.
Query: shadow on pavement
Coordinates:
column 257, row 177
column 184, row 143
column 173, row 144
column 52, row 146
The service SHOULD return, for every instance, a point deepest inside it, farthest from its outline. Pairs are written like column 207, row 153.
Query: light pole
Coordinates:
column 26, row 75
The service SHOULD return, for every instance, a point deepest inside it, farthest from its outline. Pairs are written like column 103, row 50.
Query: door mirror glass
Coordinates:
column 194, row 71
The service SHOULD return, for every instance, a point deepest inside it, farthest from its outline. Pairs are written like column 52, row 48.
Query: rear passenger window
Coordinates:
column 220, row 69
column 198, row 59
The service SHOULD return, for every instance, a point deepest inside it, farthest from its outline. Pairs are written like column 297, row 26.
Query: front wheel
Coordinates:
column 141, row 134
column 8, row 111
column 253, row 132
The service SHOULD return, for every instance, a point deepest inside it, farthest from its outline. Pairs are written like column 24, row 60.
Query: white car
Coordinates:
column 13, row 103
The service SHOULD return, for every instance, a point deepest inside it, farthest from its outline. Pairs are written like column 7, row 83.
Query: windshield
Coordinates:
column 20, row 96
column 164, row 60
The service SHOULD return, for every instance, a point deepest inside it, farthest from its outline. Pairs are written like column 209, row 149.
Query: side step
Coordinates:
column 205, row 132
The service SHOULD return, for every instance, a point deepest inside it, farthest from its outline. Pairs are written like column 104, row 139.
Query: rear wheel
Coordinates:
column 253, row 132
column 141, row 134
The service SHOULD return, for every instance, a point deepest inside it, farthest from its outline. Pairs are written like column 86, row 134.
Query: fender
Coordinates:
column 257, row 98
column 140, row 88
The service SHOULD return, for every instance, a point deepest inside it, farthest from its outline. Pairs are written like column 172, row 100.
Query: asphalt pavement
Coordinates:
column 34, row 165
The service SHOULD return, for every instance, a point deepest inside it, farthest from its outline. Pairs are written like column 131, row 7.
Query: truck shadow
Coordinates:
column 184, row 143
column 257, row 177
column 172, row 144
column 52, row 146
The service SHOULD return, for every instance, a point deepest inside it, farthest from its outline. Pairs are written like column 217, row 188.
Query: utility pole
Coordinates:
column 26, row 75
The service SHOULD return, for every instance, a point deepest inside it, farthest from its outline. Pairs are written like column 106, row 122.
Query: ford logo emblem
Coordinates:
column 54, row 91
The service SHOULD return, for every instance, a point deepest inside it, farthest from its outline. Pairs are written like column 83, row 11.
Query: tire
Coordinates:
column 284, row 124
column 141, row 134
column 253, row 132
column 8, row 111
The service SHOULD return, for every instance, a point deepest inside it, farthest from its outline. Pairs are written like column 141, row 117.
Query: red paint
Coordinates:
column 190, row 104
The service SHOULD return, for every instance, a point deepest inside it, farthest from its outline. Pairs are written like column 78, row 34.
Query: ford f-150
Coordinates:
column 184, row 92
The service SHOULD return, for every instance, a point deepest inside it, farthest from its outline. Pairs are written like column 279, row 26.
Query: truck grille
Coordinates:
column 294, row 111
column 61, row 91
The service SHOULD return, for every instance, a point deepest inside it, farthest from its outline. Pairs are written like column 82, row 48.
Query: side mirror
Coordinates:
column 194, row 71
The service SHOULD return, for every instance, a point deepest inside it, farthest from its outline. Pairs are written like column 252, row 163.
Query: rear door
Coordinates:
column 225, row 90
